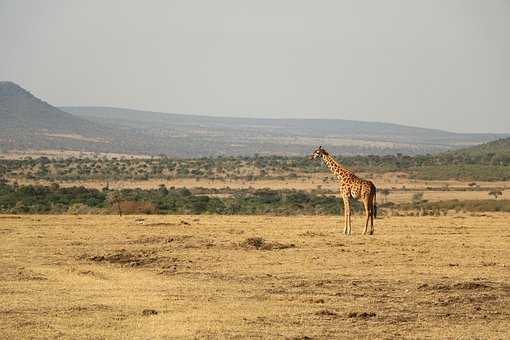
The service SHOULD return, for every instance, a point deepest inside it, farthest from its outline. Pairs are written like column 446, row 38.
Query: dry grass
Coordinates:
column 381, row 181
column 435, row 196
column 211, row 276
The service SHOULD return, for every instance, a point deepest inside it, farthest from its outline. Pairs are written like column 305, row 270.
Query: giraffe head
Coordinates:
column 318, row 153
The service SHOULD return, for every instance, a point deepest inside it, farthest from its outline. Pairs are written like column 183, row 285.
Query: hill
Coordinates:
column 21, row 111
column 499, row 147
column 29, row 123
column 496, row 153
column 247, row 136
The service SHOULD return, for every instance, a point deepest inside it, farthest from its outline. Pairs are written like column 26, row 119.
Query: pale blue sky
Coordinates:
column 434, row 63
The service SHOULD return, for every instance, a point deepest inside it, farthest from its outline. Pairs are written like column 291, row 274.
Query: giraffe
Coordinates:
column 351, row 186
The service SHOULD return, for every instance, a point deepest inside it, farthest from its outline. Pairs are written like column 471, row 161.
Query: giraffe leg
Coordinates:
column 345, row 221
column 372, row 212
column 371, row 222
column 346, row 228
column 345, row 218
column 347, row 214
column 348, row 210
column 349, row 231
column 367, row 214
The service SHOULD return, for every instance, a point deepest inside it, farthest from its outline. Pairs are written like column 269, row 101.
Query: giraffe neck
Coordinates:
column 334, row 166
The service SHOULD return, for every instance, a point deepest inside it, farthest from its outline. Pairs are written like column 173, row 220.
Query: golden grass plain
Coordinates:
column 104, row 277
column 387, row 180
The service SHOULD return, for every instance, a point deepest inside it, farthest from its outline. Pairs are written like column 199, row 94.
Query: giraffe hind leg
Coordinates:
column 372, row 214
column 345, row 218
column 367, row 214
column 347, row 230
column 372, row 223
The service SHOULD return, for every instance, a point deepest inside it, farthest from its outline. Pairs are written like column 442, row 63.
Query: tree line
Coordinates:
column 56, row 199
column 462, row 166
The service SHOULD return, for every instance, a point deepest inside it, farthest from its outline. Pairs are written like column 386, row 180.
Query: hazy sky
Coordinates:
column 441, row 64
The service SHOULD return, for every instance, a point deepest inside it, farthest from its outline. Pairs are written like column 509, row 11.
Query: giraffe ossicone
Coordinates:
column 351, row 187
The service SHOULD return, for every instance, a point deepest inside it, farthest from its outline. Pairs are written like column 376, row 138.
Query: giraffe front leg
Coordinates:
column 350, row 227
column 345, row 221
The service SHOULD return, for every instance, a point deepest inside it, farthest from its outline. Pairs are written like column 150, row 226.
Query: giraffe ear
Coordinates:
column 320, row 147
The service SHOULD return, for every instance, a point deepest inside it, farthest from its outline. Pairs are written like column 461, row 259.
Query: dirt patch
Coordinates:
column 435, row 286
column 4, row 231
column 31, row 276
column 95, row 307
column 261, row 244
column 76, row 243
column 455, row 286
column 161, row 224
column 20, row 274
column 125, row 258
column 175, row 241
column 149, row 312
column 161, row 239
column 309, row 233
column 327, row 313
column 471, row 286
column 233, row 231
column 362, row 315
column 91, row 273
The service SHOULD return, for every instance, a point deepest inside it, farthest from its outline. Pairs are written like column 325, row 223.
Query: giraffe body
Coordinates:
column 351, row 187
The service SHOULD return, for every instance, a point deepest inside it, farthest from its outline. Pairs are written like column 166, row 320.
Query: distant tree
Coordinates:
column 106, row 188
column 417, row 197
column 114, row 199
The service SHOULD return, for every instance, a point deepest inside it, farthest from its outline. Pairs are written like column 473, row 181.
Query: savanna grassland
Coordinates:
column 210, row 276
column 238, row 247
column 399, row 178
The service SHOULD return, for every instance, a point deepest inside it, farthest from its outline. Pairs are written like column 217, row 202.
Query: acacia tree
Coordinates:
column 417, row 198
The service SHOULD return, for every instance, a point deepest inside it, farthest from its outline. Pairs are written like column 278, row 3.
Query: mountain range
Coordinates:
column 29, row 123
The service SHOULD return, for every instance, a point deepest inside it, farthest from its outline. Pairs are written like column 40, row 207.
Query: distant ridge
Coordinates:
column 498, row 151
column 29, row 123
column 342, row 136
column 126, row 115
